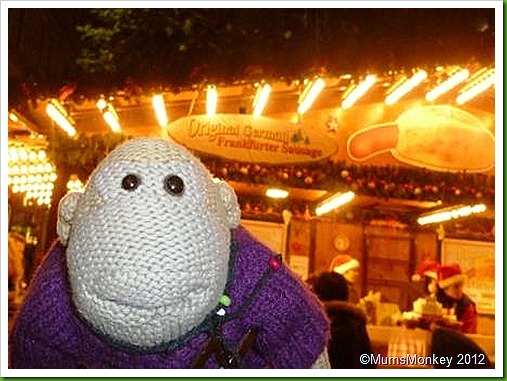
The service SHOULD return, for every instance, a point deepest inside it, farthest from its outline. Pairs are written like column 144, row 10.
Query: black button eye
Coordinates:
column 174, row 185
column 130, row 182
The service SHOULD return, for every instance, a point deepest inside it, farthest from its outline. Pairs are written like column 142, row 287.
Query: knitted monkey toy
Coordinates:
column 152, row 270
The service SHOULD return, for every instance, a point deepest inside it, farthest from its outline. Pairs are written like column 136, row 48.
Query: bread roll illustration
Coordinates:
column 441, row 138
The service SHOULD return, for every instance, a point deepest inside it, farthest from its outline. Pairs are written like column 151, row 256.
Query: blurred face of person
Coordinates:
column 455, row 290
column 432, row 286
column 351, row 275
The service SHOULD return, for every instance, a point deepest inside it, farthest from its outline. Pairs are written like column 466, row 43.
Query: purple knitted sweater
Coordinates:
column 292, row 330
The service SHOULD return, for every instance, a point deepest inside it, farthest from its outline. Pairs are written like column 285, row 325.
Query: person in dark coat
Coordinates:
column 450, row 294
column 349, row 337
column 347, row 266
column 453, row 344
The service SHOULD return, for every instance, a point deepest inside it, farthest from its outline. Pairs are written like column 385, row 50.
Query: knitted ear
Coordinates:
column 66, row 210
column 230, row 204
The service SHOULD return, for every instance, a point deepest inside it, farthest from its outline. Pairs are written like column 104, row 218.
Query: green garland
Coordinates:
column 82, row 154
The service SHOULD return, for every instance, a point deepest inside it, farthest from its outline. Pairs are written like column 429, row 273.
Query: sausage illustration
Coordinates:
column 441, row 138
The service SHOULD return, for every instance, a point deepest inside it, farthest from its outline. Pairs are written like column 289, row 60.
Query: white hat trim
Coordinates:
column 431, row 274
column 452, row 280
column 343, row 268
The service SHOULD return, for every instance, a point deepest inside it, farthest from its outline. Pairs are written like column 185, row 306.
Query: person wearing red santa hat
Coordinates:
column 450, row 294
column 427, row 272
column 347, row 266
column 423, row 283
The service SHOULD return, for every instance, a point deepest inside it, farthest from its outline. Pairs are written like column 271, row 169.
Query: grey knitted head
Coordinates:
column 148, row 242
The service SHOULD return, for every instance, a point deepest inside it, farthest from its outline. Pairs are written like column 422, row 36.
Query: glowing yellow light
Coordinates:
column 58, row 114
column 476, row 87
column 352, row 96
column 101, row 104
column 14, row 169
column 13, row 117
column 52, row 176
column 448, row 84
column 160, row 110
column 13, row 154
column 211, row 100
column 109, row 114
column 261, row 99
column 41, row 155
column 74, row 184
column 396, row 93
column 22, row 154
column 334, row 202
column 112, row 121
column 310, row 93
column 32, row 156
column 276, row 193
column 48, row 167
column 448, row 214
column 23, row 169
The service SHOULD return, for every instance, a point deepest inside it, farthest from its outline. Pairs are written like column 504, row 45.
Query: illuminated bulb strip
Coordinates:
column 477, row 87
column 160, row 110
column 261, row 99
column 446, row 215
column 57, row 113
column 110, row 118
column 13, row 117
column 447, row 85
column 334, row 202
column 276, row 193
column 406, row 87
column 358, row 91
column 109, row 114
column 311, row 92
column 211, row 101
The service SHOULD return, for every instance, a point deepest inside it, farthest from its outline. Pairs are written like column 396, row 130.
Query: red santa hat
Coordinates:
column 449, row 275
column 427, row 267
column 343, row 263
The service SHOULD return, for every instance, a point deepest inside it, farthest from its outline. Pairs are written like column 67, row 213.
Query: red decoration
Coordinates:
column 274, row 264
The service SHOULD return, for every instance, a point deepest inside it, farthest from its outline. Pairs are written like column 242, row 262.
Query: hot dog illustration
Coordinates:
column 441, row 138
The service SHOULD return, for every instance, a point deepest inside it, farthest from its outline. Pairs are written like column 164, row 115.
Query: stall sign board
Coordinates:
column 252, row 139
column 477, row 259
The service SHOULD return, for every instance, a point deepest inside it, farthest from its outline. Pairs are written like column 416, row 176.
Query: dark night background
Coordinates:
column 97, row 50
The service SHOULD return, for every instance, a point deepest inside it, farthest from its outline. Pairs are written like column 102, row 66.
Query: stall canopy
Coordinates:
column 405, row 141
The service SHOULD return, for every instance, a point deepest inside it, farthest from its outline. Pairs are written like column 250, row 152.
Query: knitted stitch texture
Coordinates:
column 293, row 330
column 148, row 242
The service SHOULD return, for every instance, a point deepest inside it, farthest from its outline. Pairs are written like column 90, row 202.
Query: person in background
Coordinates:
column 349, row 337
column 347, row 266
column 427, row 274
column 450, row 294
column 423, row 283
